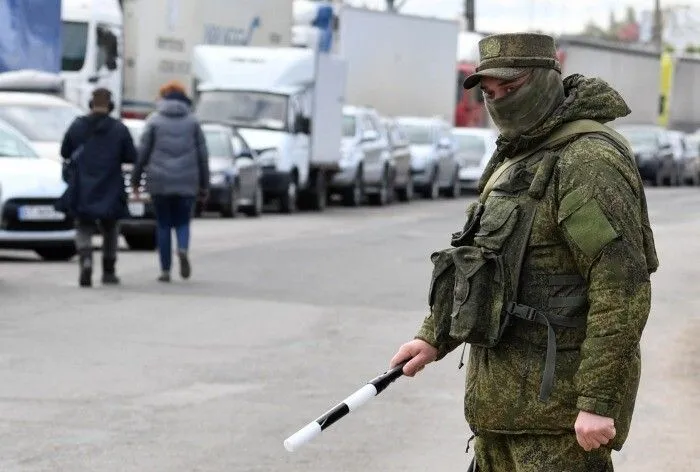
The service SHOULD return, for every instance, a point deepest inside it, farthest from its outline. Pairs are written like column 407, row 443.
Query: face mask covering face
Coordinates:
column 529, row 106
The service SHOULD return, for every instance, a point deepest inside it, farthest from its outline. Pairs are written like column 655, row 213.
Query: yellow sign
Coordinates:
column 665, row 88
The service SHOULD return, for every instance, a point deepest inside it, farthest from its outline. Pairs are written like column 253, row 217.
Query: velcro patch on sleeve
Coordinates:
column 586, row 223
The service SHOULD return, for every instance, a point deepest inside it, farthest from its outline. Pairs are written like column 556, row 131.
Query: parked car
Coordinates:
column 433, row 163
column 365, row 167
column 401, row 159
column 475, row 146
column 42, row 118
column 690, row 170
column 235, row 172
column 30, row 186
column 653, row 153
column 235, row 185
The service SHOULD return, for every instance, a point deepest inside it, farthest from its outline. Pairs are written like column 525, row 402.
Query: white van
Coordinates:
column 287, row 104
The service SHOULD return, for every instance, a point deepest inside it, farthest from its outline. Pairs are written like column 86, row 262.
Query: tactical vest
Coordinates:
column 485, row 261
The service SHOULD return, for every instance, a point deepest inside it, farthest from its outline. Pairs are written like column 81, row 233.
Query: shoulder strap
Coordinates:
column 560, row 136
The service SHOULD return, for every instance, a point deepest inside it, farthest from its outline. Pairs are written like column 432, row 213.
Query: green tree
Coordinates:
column 631, row 15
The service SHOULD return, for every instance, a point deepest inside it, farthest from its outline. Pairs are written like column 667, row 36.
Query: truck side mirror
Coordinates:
column 302, row 125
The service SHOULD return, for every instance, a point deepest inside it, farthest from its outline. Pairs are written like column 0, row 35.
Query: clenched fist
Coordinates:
column 593, row 431
column 420, row 353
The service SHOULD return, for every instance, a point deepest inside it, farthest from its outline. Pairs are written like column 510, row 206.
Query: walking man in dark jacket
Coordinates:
column 98, row 145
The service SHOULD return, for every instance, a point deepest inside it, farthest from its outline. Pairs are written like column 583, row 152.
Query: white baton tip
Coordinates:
column 301, row 437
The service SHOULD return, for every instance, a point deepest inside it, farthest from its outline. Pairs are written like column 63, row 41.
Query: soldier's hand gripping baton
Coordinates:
column 373, row 388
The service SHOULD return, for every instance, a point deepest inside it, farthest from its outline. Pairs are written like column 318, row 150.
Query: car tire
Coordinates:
column 406, row 193
column 455, row 189
column 256, row 208
column 57, row 254
column 229, row 209
column 353, row 196
column 432, row 191
column 290, row 200
column 382, row 197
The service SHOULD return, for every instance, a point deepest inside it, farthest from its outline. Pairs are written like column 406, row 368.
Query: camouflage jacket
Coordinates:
column 590, row 220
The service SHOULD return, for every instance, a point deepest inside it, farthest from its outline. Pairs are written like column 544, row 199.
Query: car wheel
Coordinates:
column 256, row 208
column 56, row 254
column 289, row 201
column 353, row 196
column 229, row 209
column 455, row 189
column 432, row 192
column 381, row 198
column 406, row 194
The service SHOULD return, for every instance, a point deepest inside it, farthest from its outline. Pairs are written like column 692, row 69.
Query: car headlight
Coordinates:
column 269, row 158
column 217, row 179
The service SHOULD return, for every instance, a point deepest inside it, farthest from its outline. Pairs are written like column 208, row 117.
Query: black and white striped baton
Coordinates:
column 373, row 388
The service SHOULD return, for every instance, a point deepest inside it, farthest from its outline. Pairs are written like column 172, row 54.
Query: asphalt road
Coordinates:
column 284, row 317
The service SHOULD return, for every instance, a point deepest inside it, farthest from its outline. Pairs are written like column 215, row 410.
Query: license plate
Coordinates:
column 137, row 209
column 40, row 213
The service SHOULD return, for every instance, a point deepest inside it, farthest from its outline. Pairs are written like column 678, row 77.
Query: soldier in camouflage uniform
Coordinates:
column 549, row 279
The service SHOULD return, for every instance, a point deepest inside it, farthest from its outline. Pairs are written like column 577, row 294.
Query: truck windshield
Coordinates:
column 40, row 123
column 75, row 36
column 245, row 109
column 349, row 123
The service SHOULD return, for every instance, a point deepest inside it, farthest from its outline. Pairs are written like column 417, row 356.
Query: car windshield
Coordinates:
column 349, row 126
column 416, row 133
column 639, row 137
column 40, row 122
column 472, row 147
column 12, row 146
column 245, row 109
column 217, row 144
column 75, row 36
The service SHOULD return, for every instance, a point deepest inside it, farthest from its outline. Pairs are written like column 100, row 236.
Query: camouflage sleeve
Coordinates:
column 440, row 313
column 600, row 217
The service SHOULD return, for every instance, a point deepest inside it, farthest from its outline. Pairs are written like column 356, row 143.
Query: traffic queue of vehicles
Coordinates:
column 382, row 160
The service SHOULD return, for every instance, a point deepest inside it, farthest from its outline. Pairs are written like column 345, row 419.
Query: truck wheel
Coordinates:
column 353, row 196
column 318, row 197
column 289, row 201
column 229, row 209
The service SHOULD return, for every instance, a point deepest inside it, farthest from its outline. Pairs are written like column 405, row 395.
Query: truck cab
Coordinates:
column 92, row 45
column 287, row 104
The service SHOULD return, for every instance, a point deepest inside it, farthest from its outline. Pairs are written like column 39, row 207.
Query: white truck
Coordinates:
column 287, row 104
column 397, row 64
column 134, row 46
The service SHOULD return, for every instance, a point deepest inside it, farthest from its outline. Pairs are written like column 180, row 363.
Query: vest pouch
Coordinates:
column 481, row 284
column 497, row 223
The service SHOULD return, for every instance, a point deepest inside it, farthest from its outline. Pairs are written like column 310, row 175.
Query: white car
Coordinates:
column 29, row 188
column 433, row 164
column 474, row 149
column 42, row 118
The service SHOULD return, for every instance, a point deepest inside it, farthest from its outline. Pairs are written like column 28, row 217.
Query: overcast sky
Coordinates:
column 554, row 16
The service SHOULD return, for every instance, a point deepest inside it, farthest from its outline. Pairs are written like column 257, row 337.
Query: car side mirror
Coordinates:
column 302, row 125
column 369, row 135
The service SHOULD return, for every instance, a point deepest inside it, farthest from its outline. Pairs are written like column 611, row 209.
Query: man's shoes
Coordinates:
column 108, row 272
column 185, row 267
column 164, row 277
